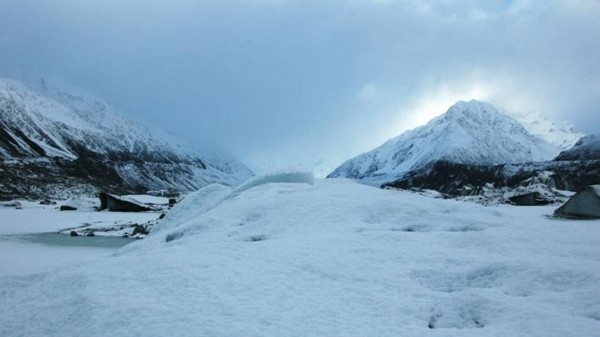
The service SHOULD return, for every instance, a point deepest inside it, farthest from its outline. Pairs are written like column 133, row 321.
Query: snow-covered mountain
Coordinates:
column 587, row 148
column 471, row 132
column 560, row 134
column 73, row 133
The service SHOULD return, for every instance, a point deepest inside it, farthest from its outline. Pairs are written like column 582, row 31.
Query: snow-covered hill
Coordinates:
column 333, row 258
column 468, row 133
column 55, row 126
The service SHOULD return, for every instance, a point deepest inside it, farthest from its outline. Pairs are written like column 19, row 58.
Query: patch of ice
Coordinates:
column 277, row 177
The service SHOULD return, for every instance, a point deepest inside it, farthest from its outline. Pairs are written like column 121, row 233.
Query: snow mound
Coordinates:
column 192, row 206
column 207, row 198
column 277, row 177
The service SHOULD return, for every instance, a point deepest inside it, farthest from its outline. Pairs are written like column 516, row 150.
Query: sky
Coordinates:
column 285, row 83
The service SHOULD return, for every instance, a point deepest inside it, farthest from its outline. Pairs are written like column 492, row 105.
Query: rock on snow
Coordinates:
column 333, row 258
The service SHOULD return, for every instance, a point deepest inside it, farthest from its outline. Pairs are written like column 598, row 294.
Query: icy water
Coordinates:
column 56, row 239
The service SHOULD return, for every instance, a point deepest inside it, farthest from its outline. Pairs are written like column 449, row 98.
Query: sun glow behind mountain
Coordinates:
column 433, row 104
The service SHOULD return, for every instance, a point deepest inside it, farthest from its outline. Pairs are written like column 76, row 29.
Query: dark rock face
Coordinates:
column 586, row 148
column 115, row 203
column 139, row 229
column 450, row 178
column 73, row 233
column 529, row 199
column 67, row 208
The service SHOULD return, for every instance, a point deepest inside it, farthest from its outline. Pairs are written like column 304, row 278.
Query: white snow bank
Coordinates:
column 277, row 177
column 330, row 259
column 192, row 206
column 147, row 199
column 208, row 197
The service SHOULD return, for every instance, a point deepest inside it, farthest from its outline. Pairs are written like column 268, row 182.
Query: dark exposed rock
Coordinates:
column 67, row 208
column 139, row 229
column 47, row 202
column 73, row 233
column 91, row 234
column 529, row 199
column 454, row 179
column 115, row 203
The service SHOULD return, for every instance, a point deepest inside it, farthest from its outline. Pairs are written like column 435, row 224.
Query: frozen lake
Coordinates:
column 30, row 243
column 62, row 240
column 37, row 253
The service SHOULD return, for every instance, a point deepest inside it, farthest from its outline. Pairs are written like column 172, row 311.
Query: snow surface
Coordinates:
column 334, row 258
column 35, row 218
column 468, row 133
column 19, row 256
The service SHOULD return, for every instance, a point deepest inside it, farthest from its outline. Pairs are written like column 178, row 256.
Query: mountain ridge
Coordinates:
column 69, row 134
column 468, row 133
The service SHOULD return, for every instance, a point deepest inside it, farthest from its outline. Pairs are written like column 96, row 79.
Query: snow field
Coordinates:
column 330, row 259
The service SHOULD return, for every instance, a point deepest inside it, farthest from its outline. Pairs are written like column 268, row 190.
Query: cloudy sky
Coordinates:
column 293, row 83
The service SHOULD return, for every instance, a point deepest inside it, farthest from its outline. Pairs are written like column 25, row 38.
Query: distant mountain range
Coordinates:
column 473, row 144
column 562, row 135
column 54, row 140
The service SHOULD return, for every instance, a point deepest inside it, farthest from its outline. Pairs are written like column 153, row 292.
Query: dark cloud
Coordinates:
column 299, row 81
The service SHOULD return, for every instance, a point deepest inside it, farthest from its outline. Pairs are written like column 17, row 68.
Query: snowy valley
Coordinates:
column 285, row 254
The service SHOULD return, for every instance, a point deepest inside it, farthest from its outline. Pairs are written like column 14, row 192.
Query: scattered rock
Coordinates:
column 162, row 216
column 47, row 202
column 139, row 229
column 530, row 199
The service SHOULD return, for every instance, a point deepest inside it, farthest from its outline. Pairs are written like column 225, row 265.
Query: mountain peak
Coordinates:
column 472, row 109
column 470, row 132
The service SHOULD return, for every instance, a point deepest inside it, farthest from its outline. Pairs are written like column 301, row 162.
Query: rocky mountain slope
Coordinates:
column 463, row 179
column 473, row 133
column 586, row 148
column 53, row 140
column 473, row 148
